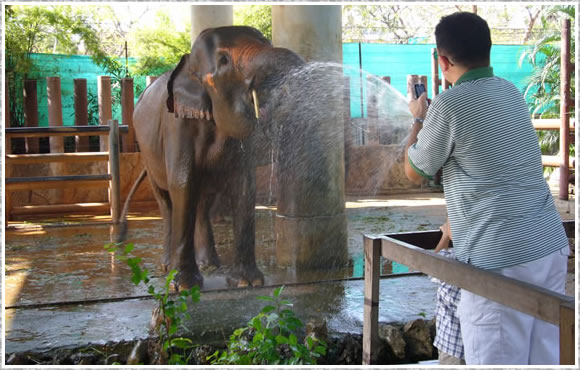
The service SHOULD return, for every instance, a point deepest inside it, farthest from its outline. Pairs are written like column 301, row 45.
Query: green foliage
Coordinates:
column 172, row 309
column 159, row 47
column 544, row 84
column 257, row 16
column 270, row 339
column 543, row 89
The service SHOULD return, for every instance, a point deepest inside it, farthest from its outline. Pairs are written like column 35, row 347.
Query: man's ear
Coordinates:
column 444, row 63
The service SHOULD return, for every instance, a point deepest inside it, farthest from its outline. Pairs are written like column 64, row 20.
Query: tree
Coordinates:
column 44, row 29
column 159, row 47
column 257, row 16
column 543, row 90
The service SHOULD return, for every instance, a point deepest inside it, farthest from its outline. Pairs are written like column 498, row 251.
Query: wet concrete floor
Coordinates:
column 63, row 289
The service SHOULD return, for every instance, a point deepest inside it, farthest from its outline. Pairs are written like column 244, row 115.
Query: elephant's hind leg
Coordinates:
column 205, row 252
column 164, row 202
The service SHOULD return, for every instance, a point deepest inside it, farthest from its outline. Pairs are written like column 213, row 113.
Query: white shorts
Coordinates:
column 494, row 334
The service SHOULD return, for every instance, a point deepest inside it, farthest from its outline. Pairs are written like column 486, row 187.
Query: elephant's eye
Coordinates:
column 223, row 60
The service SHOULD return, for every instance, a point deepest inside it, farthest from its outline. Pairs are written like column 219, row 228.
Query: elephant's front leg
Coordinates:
column 184, row 198
column 243, row 199
column 205, row 252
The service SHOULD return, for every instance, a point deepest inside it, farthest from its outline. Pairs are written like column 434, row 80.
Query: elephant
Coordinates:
column 196, row 127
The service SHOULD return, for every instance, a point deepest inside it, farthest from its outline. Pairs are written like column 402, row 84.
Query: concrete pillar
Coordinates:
column 207, row 16
column 81, row 112
column 313, row 31
column 31, row 113
column 105, row 107
column 311, row 220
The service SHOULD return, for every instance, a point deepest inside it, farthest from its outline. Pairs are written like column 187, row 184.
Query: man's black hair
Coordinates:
column 464, row 38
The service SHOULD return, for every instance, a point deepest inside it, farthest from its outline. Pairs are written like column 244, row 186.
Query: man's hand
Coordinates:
column 418, row 107
column 445, row 238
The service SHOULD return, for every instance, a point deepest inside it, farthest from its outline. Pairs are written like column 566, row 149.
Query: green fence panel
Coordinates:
column 68, row 68
column 398, row 61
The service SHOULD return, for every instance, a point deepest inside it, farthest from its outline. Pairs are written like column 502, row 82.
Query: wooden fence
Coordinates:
column 111, row 179
column 410, row 250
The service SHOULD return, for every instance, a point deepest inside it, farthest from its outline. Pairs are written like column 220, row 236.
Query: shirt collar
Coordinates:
column 475, row 74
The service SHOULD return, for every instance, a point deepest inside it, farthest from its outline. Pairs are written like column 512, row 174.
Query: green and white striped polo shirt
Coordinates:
column 500, row 208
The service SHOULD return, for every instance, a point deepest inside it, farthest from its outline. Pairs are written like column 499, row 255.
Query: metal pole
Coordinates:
column 114, row 171
column 564, row 109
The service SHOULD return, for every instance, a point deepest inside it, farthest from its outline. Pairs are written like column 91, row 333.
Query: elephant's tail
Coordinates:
column 123, row 226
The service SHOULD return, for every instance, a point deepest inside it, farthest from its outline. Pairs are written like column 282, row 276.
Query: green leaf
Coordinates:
column 183, row 343
column 268, row 308
column 265, row 298
column 293, row 340
column 280, row 339
column 278, row 291
column 172, row 329
column 128, row 248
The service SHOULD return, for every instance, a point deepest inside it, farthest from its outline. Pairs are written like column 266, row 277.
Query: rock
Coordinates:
column 393, row 338
column 349, row 350
column 202, row 352
column 139, row 354
column 418, row 339
column 83, row 358
column 316, row 329
column 19, row 359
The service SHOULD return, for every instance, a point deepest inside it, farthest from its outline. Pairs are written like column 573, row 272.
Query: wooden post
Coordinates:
column 371, row 304
column 567, row 324
column 55, row 119
column 54, row 112
column 446, row 84
column 372, row 133
column 150, row 79
column 435, row 82
column 564, row 109
column 8, row 140
column 348, row 140
column 7, row 150
column 127, row 107
column 114, row 171
column 81, row 113
column 411, row 81
column 423, row 80
column 31, row 113
column 105, row 106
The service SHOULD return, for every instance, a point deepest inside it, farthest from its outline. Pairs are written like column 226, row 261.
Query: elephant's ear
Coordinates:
column 187, row 97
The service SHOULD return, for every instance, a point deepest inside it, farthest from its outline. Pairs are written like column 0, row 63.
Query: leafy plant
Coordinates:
column 171, row 309
column 270, row 339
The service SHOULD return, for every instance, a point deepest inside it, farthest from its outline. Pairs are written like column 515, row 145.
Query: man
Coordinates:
column 501, row 212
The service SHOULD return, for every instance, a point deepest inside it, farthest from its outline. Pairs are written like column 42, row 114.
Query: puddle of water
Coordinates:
column 70, row 264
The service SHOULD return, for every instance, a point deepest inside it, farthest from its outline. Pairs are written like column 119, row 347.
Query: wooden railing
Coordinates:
column 410, row 250
column 111, row 179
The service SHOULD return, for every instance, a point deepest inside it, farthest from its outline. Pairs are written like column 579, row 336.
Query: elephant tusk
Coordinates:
column 256, row 104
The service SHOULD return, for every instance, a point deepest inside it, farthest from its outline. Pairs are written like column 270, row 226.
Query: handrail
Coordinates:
column 61, row 131
column 530, row 299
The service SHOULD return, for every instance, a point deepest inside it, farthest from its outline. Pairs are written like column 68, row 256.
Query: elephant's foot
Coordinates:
column 185, row 280
column 242, row 277
column 208, row 263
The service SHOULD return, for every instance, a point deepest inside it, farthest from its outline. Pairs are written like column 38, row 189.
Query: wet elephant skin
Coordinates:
column 198, row 131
